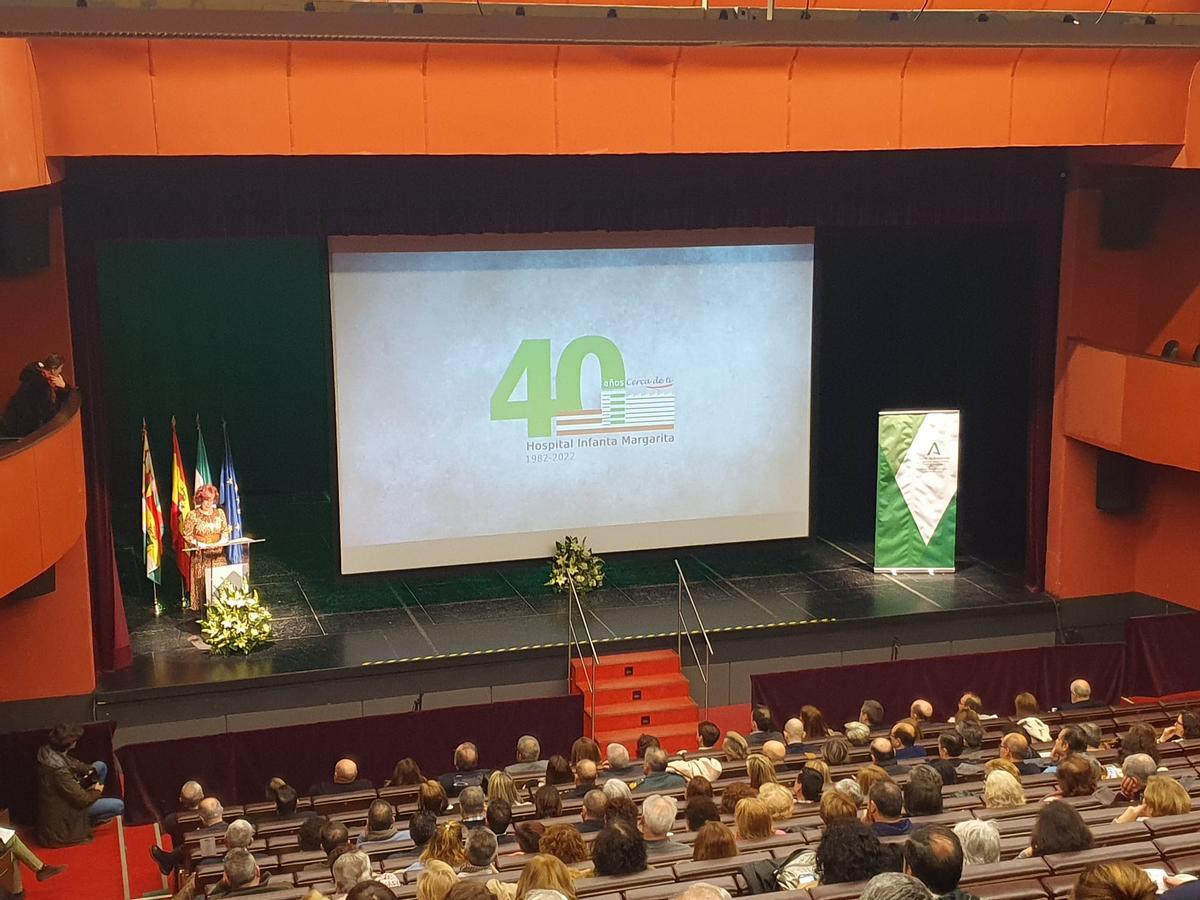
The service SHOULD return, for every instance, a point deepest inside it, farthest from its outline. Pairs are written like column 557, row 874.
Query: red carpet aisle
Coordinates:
column 94, row 870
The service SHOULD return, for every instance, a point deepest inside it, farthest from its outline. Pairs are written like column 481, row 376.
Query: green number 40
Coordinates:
column 532, row 360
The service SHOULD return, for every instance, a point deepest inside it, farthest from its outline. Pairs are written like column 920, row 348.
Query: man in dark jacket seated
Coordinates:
column 69, row 792
column 345, row 780
column 242, row 876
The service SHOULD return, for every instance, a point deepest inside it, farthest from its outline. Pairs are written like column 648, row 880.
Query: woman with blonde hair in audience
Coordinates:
column 867, row 776
column 1002, row 765
column 435, row 881
column 446, row 845
column 735, row 746
column 545, row 873
column 714, row 840
column 814, row 723
column 837, row 805
column 564, row 842
column 1002, row 791
column 760, row 770
column 778, row 800
column 500, row 786
column 1164, row 796
column 753, row 820
column 819, row 765
column 1117, row 880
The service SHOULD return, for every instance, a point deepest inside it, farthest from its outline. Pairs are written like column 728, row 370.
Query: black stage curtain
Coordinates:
column 18, row 775
column 237, row 766
column 996, row 677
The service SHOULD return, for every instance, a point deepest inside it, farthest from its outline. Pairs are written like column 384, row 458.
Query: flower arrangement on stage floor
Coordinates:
column 237, row 622
column 573, row 557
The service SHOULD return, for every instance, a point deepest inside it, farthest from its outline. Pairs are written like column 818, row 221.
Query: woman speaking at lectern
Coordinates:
column 205, row 524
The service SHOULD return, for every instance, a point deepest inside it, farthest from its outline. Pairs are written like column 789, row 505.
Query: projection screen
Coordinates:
column 493, row 394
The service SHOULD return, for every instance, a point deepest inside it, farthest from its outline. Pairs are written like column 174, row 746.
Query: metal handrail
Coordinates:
column 576, row 646
column 685, row 631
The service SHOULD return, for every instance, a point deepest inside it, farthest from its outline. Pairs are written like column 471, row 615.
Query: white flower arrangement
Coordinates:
column 573, row 557
column 236, row 622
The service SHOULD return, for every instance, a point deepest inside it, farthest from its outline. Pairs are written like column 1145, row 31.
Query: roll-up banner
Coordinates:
column 916, row 492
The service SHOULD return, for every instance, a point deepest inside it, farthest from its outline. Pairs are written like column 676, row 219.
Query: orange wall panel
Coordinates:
column 957, row 98
column 1148, row 96
column 20, row 538
column 1093, row 396
column 22, row 157
column 838, row 100
column 496, row 99
column 96, row 95
column 357, row 98
column 59, row 465
column 732, row 99
column 1059, row 96
column 221, row 97
column 1168, row 564
column 614, row 99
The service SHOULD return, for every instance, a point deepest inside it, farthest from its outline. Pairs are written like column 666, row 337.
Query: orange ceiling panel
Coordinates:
column 732, row 99
column 614, row 99
column 490, row 99
column 221, row 97
column 1059, row 96
column 839, row 100
column 22, row 155
column 96, row 96
column 1148, row 96
column 357, row 98
column 957, row 98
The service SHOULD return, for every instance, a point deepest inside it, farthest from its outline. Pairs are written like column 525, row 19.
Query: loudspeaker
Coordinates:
column 24, row 231
column 1116, row 482
column 1128, row 210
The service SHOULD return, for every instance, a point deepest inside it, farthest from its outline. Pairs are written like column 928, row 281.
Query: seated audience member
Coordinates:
column 1014, row 747
column 884, row 756
column 837, row 805
column 436, row 881
column 857, row 734
column 921, row 711
column 793, row 737
column 471, row 807
column 706, row 768
column 17, row 852
column 1075, row 777
column 1001, row 765
column 871, row 714
column 836, row 751
column 1185, row 728
column 734, row 746
column 1028, row 714
column 619, row 765
column 657, row 777
column 934, row 855
column 1092, row 735
column 734, row 794
column 67, row 810
column 286, row 800
column 658, row 816
column 775, row 751
column 431, row 796
column 814, row 723
column 1140, row 738
column 714, row 840
column 242, row 876
column 810, row 783
column 1135, row 773
column 945, row 769
column 529, row 837
column 369, row 890
column 698, row 786
column 467, row 771
column 847, row 787
column 382, row 829
column 885, row 810
column 615, row 788
column 850, row 851
column 972, row 737
column 446, row 845
column 309, row 835
column 700, row 810
column 819, row 765
column 764, row 728
column 868, row 776
column 190, row 796
column 778, row 800
column 558, row 770
column 950, row 747
column 500, row 786
column 591, row 813
column 1164, row 796
column 542, row 877
column 980, row 840
column 565, row 843
column 353, row 868
column 923, row 792
column 904, row 742
column 422, row 826
column 1081, row 697
column 41, row 393
column 585, row 748
column 894, row 886
column 621, row 809
column 645, row 742
column 547, row 802
column 585, row 778
column 619, row 850
column 239, row 836
column 1070, row 740
column 760, row 770
column 707, row 736
column 468, row 890
column 752, row 820
column 1002, row 791
column 345, row 780
column 498, row 819
column 1117, row 880
column 1058, row 828
column 528, row 762
column 480, row 851
column 406, row 772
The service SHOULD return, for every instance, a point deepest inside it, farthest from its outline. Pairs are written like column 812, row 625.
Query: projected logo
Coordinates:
column 554, row 406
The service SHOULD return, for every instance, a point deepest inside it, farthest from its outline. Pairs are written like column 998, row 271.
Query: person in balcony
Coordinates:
column 205, row 525
column 42, row 391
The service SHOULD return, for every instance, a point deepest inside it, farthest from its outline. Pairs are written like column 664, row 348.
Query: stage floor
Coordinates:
column 326, row 623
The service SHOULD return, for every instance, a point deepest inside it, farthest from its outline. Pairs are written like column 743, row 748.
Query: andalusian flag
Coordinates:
column 151, row 515
column 181, row 505
column 203, row 472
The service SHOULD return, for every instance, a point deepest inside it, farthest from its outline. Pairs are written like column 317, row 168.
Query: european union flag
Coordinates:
column 231, row 502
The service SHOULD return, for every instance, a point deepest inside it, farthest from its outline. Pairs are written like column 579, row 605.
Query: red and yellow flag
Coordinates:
column 181, row 505
column 152, row 525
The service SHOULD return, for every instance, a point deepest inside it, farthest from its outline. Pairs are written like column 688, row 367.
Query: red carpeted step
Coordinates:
column 644, row 714
column 646, row 687
column 627, row 665
column 673, row 738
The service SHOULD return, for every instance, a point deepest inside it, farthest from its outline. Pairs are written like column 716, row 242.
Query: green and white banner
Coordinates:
column 917, row 490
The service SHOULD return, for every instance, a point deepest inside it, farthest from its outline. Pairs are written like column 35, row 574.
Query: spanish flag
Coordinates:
column 152, row 525
column 181, row 505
